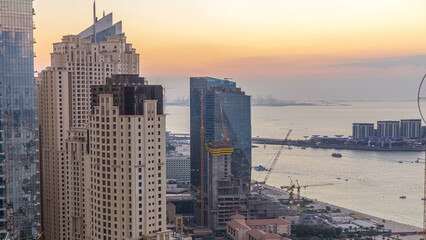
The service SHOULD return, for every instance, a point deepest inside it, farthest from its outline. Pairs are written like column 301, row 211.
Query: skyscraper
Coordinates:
column 64, row 105
column 225, row 193
column 127, row 159
column 19, row 217
column 226, row 114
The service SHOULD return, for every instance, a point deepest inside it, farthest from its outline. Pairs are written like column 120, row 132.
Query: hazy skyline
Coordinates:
column 308, row 49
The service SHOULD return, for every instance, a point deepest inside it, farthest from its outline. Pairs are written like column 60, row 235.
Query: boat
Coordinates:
column 403, row 197
column 336, row 155
column 400, row 162
column 260, row 168
column 303, row 147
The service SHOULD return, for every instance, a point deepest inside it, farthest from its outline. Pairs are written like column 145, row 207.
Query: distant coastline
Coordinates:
column 269, row 102
column 307, row 143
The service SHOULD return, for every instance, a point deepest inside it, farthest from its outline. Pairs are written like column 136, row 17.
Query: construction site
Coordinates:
column 222, row 188
column 263, row 201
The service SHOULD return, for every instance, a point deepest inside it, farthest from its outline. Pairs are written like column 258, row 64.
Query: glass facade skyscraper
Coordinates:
column 19, row 217
column 236, row 118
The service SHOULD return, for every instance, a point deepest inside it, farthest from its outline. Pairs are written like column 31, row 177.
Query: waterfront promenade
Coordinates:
column 397, row 230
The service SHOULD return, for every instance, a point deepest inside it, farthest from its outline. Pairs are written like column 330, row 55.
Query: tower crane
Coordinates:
column 224, row 131
column 296, row 186
column 275, row 159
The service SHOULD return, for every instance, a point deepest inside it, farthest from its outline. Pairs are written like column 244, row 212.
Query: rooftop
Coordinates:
column 237, row 225
column 261, row 235
column 102, row 28
column 261, row 222
column 204, row 231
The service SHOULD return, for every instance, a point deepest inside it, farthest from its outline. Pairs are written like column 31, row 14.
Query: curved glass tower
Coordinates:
column 19, row 217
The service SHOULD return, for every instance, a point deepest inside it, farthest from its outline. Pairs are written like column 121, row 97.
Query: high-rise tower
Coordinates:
column 19, row 217
column 127, row 160
column 77, row 63
column 224, row 107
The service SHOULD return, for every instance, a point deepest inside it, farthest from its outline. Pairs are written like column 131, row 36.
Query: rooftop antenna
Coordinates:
column 95, row 19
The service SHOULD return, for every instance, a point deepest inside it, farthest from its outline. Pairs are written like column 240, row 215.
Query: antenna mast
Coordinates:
column 95, row 19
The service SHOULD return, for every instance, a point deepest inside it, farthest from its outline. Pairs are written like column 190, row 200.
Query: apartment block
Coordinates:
column 127, row 160
column 411, row 128
column 241, row 229
column 362, row 130
column 179, row 168
column 387, row 129
column 77, row 62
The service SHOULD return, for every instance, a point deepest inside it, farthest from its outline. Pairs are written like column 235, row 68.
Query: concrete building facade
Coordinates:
column 411, row 128
column 127, row 160
column 225, row 196
column 240, row 229
column 179, row 168
column 362, row 130
column 77, row 63
column 387, row 129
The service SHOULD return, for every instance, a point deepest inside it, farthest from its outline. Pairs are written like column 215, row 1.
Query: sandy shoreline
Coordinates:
column 396, row 227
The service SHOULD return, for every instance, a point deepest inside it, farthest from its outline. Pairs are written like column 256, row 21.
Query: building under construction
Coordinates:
column 225, row 192
column 220, row 150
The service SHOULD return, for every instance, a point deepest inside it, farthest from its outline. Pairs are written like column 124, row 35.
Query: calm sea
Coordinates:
column 375, row 180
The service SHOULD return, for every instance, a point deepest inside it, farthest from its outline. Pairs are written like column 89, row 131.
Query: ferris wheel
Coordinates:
column 421, row 99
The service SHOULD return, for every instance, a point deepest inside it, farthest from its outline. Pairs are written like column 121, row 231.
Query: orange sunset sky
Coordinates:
column 304, row 49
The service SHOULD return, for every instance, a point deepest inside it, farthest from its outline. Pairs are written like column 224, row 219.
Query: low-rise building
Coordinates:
column 256, row 234
column 179, row 168
column 277, row 225
column 237, row 228
column 240, row 229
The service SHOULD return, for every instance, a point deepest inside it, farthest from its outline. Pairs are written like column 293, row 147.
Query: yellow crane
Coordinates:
column 296, row 186
column 275, row 160
column 224, row 131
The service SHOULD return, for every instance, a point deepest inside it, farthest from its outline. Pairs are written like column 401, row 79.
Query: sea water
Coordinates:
column 366, row 181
